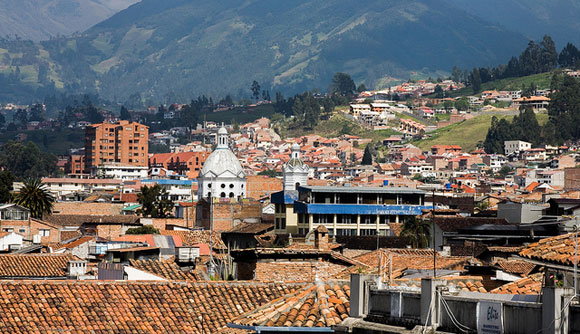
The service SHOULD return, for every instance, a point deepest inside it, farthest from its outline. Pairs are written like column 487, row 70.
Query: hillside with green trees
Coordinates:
column 532, row 18
column 563, row 124
column 43, row 19
column 174, row 49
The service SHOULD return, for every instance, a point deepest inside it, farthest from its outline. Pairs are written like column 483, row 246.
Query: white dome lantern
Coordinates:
column 222, row 175
column 295, row 170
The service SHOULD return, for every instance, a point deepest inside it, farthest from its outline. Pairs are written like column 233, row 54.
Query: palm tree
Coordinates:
column 417, row 231
column 34, row 196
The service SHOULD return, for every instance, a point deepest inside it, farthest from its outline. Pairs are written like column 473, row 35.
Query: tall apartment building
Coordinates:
column 122, row 142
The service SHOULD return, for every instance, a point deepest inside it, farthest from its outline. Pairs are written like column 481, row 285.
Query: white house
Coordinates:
column 516, row 146
column 10, row 241
column 122, row 172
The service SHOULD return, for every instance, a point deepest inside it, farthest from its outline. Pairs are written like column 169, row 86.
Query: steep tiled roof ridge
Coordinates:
column 558, row 249
column 528, row 285
column 321, row 304
column 131, row 307
column 167, row 269
column 34, row 265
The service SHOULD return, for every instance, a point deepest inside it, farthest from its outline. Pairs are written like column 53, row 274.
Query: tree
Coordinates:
column 462, row 104
column 448, row 105
column 342, row 84
column 438, row 91
column 124, row 114
column 35, row 196
column 27, row 161
column 549, row 55
column 456, row 74
column 504, row 171
column 146, row 229
column 6, row 181
column 367, row 158
column 155, row 202
column 417, row 231
column 37, row 113
column 361, row 88
column 569, row 57
column 475, row 80
column 255, row 88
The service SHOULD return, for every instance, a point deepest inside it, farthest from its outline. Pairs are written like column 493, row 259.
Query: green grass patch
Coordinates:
column 467, row 134
column 339, row 125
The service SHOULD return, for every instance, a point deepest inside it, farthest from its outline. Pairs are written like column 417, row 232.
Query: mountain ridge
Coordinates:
column 185, row 48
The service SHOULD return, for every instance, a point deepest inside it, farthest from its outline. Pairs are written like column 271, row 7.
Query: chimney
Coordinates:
column 321, row 238
column 76, row 269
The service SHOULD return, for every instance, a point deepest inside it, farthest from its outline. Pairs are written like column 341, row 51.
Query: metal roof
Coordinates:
column 374, row 190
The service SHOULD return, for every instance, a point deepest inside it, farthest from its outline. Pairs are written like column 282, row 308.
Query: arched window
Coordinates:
column 297, row 185
column 223, row 195
column 232, row 195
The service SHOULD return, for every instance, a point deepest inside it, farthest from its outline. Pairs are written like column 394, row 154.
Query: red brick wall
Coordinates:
column 31, row 228
column 259, row 186
column 227, row 215
column 91, row 209
column 111, row 231
column 294, row 271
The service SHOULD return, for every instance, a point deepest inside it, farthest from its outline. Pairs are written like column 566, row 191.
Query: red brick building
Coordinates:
column 290, row 264
column 227, row 213
column 122, row 142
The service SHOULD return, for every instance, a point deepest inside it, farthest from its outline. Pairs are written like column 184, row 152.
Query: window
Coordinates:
column 22, row 230
column 223, row 195
column 44, row 233
column 232, row 195
column 223, row 185
column 231, row 186
column 9, row 230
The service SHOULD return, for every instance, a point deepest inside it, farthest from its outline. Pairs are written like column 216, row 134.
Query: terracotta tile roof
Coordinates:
column 129, row 307
column 34, row 265
column 69, row 235
column 74, row 243
column 517, row 267
column 394, row 261
column 531, row 285
column 463, row 283
column 167, row 269
column 191, row 238
column 251, row 228
column 78, row 220
column 322, row 304
column 505, row 249
column 558, row 249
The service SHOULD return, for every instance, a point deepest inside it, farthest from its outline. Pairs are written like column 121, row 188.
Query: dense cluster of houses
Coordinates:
column 271, row 234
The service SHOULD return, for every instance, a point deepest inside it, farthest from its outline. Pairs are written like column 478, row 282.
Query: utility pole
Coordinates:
column 433, row 232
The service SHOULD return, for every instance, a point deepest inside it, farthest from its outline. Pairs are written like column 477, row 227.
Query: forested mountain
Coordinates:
column 42, row 19
column 189, row 47
column 532, row 18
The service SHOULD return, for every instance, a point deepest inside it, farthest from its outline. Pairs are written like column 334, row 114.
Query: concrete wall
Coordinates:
column 518, row 316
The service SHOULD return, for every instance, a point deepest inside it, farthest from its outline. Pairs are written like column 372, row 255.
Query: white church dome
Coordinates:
column 222, row 160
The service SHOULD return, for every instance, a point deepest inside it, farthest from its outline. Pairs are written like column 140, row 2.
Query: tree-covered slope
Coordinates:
column 42, row 19
column 188, row 47
column 532, row 18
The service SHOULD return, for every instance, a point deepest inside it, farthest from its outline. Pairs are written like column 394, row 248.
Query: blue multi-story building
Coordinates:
column 346, row 210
